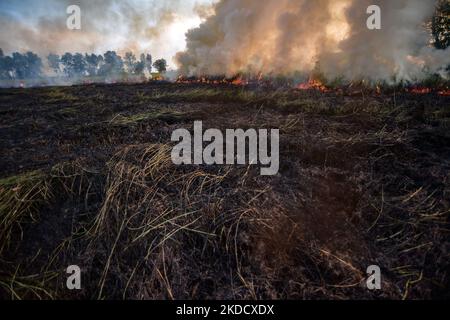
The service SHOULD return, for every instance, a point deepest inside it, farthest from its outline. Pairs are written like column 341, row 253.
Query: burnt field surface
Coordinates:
column 86, row 179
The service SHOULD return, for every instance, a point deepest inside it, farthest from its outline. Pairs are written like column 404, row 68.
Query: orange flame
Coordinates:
column 313, row 84
column 421, row 90
column 238, row 82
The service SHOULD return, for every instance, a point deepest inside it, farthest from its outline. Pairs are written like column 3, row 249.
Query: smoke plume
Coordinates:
column 152, row 26
column 286, row 36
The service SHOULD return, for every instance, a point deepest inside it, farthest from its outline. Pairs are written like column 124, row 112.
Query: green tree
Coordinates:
column 67, row 62
column 6, row 66
column 79, row 64
column 139, row 68
column 112, row 64
column 160, row 65
column 33, row 64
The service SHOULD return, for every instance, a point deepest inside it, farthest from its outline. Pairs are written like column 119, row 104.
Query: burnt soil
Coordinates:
column 364, row 180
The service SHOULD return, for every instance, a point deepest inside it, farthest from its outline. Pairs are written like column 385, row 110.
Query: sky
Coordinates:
column 142, row 26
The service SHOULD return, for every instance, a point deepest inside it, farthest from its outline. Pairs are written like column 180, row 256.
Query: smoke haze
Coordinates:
column 232, row 36
column 283, row 36
column 153, row 26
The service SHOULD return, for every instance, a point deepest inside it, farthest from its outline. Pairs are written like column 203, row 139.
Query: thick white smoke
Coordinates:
column 285, row 36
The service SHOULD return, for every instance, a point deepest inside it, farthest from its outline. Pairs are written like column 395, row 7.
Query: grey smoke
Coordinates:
column 283, row 36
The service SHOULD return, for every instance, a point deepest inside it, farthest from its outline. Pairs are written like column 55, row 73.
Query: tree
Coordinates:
column 79, row 64
column 34, row 65
column 67, row 61
column 23, row 66
column 2, row 65
column 93, row 63
column 19, row 65
column 53, row 62
column 147, row 61
column 112, row 64
column 130, row 62
column 74, row 64
column 160, row 65
column 6, row 66
column 440, row 25
column 133, row 66
column 139, row 68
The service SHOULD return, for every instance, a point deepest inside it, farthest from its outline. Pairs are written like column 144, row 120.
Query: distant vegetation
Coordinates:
column 20, row 66
column 76, row 65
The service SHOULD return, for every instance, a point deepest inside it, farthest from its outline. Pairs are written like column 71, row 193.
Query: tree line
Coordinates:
column 30, row 66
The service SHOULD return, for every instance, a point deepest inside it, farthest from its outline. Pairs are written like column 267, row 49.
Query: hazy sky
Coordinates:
column 155, row 26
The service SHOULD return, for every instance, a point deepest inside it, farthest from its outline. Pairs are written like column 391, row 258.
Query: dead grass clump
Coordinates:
column 170, row 232
column 207, row 94
column 31, row 260
column 174, row 232
column 59, row 95
column 20, row 198
column 411, row 223
column 167, row 116
column 19, row 287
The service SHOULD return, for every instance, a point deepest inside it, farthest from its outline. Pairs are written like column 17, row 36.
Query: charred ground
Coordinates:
column 86, row 179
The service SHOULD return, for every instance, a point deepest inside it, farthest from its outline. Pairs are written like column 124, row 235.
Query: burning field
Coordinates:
column 86, row 179
column 355, row 94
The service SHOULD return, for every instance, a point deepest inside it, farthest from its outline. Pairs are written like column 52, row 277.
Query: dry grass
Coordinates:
column 20, row 198
column 363, row 180
column 152, row 211
column 167, row 116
